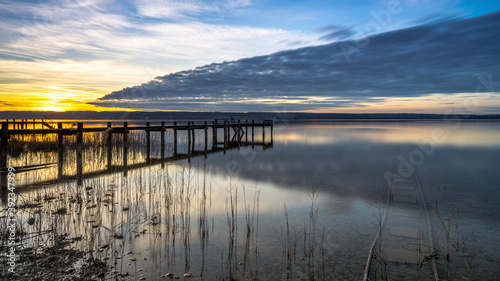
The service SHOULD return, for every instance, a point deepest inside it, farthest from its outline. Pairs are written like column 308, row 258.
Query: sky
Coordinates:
column 398, row 56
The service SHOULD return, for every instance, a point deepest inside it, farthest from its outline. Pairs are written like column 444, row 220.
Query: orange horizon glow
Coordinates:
column 67, row 85
column 65, row 97
column 41, row 102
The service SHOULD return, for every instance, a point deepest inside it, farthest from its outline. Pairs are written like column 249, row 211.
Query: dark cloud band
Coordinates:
column 441, row 58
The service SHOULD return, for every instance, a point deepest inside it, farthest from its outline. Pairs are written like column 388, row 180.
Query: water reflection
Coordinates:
column 461, row 134
column 247, row 213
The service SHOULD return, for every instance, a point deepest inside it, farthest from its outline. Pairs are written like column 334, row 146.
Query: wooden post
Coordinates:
column 206, row 138
column 3, row 159
column 125, row 146
column 238, row 134
column 263, row 132
column 148, row 144
column 175, row 138
column 5, row 135
column 253, row 129
column 225, row 135
column 21, row 126
column 189, row 139
column 205, row 125
column 193, row 132
column 34, row 127
column 60, row 150
column 246, row 132
column 14, row 124
column 79, row 156
column 271, row 131
column 109, row 144
column 214, row 136
column 162, row 143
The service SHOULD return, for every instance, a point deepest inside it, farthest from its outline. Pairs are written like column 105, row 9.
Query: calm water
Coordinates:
column 307, row 207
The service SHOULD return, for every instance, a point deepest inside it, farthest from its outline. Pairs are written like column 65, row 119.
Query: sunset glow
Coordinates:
column 247, row 56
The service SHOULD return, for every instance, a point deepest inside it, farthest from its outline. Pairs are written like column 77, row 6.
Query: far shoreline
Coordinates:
column 277, row 116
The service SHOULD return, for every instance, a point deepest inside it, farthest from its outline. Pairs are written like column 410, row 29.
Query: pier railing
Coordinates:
column 235, row 133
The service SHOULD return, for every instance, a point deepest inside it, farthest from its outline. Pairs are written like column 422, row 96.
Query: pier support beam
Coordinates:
column 79, row 154
column 225, row 135
column 272, row 124
column 175, row 138
column 238, row 135
column 189, row 140
column 109, row 132
column 60, row 151
column 246, row 132
column 148, row 144
column 162, row 143
column 206, row 138
column 214, row 136
column 125, row 147
column 253, row 135
column 193, row 133
column 34, row 127
column 263, row 132
column 4, row 134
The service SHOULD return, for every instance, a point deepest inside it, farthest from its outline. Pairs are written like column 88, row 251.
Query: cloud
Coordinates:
column 5, row 103
column 184, row 9
column 442, row 58
column 173, row 9
column 234, row 104
column 94, row 47
column 437, row 18
column 103, row 30
column 336, row 33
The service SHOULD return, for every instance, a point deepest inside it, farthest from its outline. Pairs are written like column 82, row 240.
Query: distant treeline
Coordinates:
column 109, row 115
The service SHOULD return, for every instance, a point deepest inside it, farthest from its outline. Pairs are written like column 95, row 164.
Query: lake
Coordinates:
column 307, row 207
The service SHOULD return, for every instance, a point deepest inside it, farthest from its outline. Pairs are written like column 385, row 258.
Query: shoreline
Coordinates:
column 278, row 116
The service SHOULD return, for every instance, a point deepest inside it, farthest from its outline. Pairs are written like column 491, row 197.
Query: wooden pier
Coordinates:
column 226, row 134
column 30, row 123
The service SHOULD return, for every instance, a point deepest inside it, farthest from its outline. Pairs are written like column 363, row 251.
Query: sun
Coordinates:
column 51, row 108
